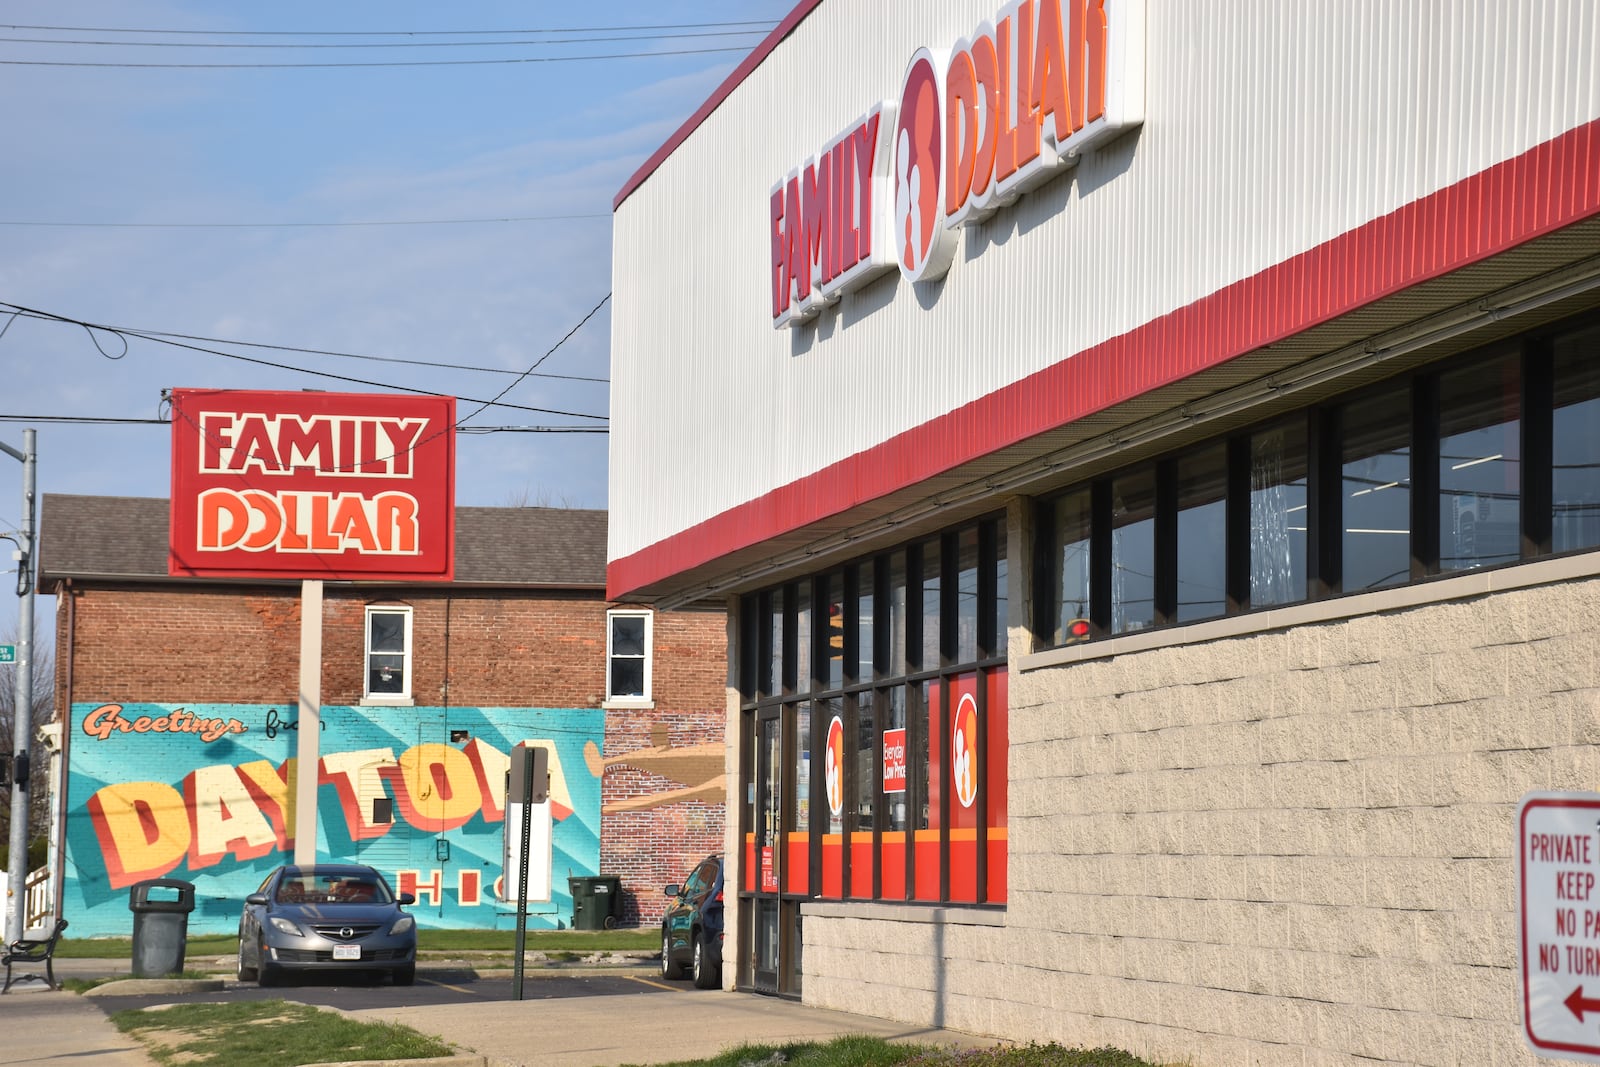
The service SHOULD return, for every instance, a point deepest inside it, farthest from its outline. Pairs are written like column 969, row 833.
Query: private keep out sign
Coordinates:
column 1558, row 934
column 312, row 485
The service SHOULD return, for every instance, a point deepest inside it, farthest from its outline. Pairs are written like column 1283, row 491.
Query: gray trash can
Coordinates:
column 161, row 908
column 596, row 901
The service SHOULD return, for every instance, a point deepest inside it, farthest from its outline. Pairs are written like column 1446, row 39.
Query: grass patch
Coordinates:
column 268, row 1032
column 860, row 1051
column 578, row 942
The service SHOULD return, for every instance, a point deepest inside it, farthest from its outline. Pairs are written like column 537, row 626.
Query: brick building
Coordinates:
column 178, row 699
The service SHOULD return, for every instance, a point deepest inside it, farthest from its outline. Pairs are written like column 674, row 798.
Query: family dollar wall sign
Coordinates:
column 1558, row 932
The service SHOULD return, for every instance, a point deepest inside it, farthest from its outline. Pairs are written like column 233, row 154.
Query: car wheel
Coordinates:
column 267, row 974
column 707, row 975
column 670, row 968
column 406, row 975
column 244, row 973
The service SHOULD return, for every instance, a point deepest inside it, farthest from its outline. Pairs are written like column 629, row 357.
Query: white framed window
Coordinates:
column 388, row 655
column 628, row 658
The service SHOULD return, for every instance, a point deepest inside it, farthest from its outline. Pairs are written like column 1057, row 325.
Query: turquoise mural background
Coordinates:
column 198, row 793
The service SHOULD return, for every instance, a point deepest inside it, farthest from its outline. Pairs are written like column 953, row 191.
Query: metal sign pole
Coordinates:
column 522, row 870
column 22, row 706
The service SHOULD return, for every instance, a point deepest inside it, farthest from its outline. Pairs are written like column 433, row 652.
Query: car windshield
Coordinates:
column 311, row 887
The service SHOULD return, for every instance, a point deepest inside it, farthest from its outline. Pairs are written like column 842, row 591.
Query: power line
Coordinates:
column 531, row 429
column 387, row 33
column 307, row 225
column 97, row 420
column 153, row 334
column 390, row 63
column 87, row 420
column 378, row 44
column 569, row 334
column 158, row 339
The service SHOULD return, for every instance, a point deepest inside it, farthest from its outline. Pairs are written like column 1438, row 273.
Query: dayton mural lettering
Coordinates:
column 204, row 793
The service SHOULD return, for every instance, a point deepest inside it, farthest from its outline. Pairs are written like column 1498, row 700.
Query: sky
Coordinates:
column 241, row 205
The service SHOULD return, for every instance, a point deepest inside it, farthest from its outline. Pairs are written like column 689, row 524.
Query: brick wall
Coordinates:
column 229, row 644
column 658, row 845
column 1287, row 847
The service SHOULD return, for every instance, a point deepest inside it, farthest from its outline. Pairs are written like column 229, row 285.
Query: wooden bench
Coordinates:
column 26, row 953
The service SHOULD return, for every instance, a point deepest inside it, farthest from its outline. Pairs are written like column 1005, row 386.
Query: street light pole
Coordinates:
column 22, row 710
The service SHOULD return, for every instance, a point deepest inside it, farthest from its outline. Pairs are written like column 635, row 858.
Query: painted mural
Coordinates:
column 203, row 793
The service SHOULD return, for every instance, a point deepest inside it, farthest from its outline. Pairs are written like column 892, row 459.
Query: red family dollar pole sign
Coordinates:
column 1558, row 932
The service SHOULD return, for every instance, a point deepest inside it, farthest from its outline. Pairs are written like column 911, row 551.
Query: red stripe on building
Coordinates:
column 1552, row 185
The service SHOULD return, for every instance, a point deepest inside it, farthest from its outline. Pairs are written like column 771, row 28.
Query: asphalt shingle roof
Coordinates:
column 125, row 538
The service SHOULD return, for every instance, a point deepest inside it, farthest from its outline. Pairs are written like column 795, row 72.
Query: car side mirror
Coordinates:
column 672, row 890
column 257, row 898
column 406, row 898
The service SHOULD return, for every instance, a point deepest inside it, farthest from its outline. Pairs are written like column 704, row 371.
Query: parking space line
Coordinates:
column 446, row 985
column 652, row 982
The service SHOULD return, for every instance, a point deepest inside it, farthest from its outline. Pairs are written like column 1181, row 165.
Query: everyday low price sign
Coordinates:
column 894, row 760
column 1558, row 933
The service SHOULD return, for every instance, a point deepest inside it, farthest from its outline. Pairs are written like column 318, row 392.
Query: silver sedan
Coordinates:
column 327, row 917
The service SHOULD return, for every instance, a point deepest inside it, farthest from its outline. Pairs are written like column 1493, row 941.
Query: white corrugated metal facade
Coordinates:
column 1269, row 128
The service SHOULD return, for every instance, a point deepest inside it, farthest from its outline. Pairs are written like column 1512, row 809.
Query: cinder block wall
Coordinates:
column 199, row 644
column 1286, row 847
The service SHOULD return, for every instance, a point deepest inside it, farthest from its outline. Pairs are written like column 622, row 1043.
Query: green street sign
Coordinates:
column 8, row 653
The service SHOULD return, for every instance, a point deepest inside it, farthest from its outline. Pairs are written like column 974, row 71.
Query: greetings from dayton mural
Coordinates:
column 202, row 792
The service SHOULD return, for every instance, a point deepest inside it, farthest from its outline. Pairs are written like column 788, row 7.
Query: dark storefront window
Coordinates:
column 1480, row 475
column 1202, row 521
column 897, row 615
column 867, row 634
column 1480, row 461
column 831, row 611
column 1133, row 552
column 775, row 681
column 967, row 595
column 892, row 768
column 803, row 638
column 1071, row 523
column 1278, row 515
column 930, row 560
column 1575, row 463
column 1376, row 490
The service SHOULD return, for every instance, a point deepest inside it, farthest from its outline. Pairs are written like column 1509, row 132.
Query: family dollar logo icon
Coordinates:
column 1005, row 109
column 964, row 748
column 833, row 767
column 924, row 247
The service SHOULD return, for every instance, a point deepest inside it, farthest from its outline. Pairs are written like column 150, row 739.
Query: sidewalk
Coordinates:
column 602, row 1031
column 43, row 1026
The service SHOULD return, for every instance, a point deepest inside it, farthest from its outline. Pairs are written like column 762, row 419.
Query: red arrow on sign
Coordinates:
column 1577, row 1004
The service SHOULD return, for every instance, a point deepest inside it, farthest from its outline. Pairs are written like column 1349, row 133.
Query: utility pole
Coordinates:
column 22, row 711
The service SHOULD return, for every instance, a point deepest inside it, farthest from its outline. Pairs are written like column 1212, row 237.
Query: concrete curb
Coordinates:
column 123, row 987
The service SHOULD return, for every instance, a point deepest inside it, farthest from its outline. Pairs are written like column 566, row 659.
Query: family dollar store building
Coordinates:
column 1150, row 452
